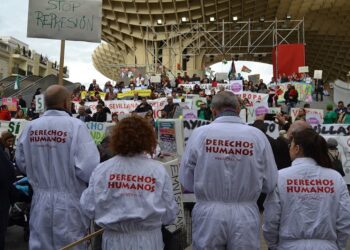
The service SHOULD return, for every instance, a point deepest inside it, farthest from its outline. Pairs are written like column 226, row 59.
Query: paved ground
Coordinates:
column 15, row 239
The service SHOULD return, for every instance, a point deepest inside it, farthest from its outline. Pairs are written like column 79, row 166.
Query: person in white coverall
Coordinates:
column 131, row 195
column 227, row 164
column 58, row 155
column 310, row 206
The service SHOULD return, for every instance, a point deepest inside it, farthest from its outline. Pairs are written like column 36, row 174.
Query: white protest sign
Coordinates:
column 98, row 130
column 318, row 74
column 189, row 114
column 253, row 97
column 251, row 115
column 319, row 112
column 221, row 76
column 155, row 79
column 39, row 103
column 187, row 86
column 272, row 129
column 254, row 78
column 196, row 102
column 243, row 115
column 170, row 136
column 313, row 118
column 190, row 125
column 187, row 104
column 260, row 109
column 78, row 20
column 236, row 86
column 303, row 69
column 332, row 129
column 173, row 168
column 127, row 106
column 15, row 126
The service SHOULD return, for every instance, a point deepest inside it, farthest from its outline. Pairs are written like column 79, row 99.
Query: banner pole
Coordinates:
column 87, row 237
column 60, row 74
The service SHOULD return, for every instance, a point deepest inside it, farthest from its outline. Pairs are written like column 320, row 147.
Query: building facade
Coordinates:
column 17, row 58
column 164, row 33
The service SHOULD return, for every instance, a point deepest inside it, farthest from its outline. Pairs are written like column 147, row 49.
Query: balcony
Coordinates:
column 18, row 71
column 22, row 54
column 20, row 57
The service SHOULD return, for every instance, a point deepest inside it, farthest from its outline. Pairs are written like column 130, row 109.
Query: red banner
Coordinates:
column 288, row 58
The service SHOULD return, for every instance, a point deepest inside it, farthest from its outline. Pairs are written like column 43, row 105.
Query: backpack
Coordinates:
column 337, row 165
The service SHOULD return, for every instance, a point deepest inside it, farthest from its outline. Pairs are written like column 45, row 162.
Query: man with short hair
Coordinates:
column 227, row 164
column 58, row 155
column 170, row 108
column 82, row 115
column 340, row 108
column 93, row 85
column 139, row 80
column 100, row 115
column 204, row 112
column 144, row 106
column 21, row 102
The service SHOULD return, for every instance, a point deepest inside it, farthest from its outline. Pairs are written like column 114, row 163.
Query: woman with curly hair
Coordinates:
column 130, row 195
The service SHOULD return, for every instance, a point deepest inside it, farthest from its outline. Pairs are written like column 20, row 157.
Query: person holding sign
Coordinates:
column 310, row 206
column 130, row 195
column 227, row 164
column 58, row 155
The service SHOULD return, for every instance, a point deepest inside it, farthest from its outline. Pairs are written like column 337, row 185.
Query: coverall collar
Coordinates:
column 228, row 119
column 304, row 161
column 56, row 112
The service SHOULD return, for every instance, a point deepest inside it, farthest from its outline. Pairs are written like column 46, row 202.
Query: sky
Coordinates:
column 265, row 70
column 13, row 22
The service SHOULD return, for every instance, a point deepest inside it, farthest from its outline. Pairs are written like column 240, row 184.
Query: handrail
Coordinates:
column 12, row 83
column 29, row 86
column 87, row 237
column 9, row 82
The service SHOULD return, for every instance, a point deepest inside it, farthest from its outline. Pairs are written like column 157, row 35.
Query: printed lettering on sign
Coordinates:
column 67, row 20
column 229, row 147
column 132, row 182
column 310, row 186
column 48, row 136
column 173, row 171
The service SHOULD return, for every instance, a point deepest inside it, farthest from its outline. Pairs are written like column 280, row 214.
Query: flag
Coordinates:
column 17, row 82
column 246, row 69
column 232, row 71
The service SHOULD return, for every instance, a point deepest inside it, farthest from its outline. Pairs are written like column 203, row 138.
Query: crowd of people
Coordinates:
column 232, row 169
column 176, row 92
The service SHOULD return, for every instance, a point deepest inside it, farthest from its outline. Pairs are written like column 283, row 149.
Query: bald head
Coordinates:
column 57, row 96
column 297, row 126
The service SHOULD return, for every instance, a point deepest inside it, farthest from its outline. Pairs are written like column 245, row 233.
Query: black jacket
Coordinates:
column 207, row 113
column 99, row 117
column 22, row 103
column 143, row 108
column 7, row 178
column 282, row 157
column 87, row 118
column 170, row 109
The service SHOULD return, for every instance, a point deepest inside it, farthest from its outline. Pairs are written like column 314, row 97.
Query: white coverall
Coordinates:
column 309, row 209
column 130, row 197
column 227, row 164
column 58, row 155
